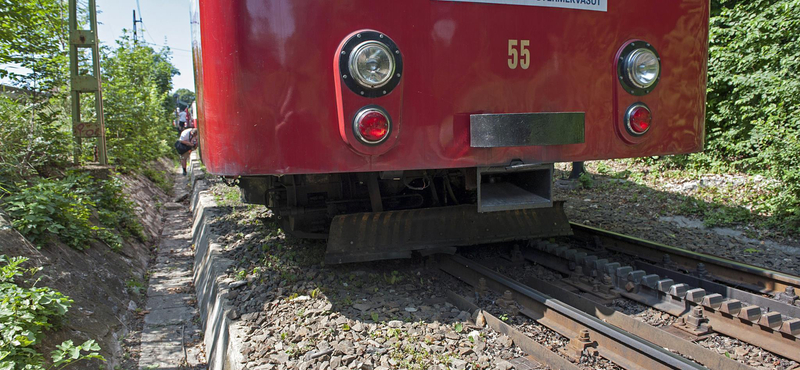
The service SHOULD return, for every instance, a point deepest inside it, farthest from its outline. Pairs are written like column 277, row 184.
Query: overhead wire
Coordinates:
column 144, row 28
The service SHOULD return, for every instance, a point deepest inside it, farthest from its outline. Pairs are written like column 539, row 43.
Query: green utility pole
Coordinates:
column 84, row 39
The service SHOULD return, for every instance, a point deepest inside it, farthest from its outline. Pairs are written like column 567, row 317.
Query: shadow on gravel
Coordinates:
column 617, row 203
column 299, row 311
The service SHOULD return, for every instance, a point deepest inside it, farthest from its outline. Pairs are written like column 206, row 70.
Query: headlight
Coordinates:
column 642, row 67
column 639, row 68
column 372, row 64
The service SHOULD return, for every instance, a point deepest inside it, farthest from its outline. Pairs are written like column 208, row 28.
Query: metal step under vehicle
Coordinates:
column 385, row 235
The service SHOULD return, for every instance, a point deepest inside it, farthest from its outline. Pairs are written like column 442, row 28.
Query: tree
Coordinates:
column 134, row 91
column 34, row 131
column 184, row 97
column 33, row 44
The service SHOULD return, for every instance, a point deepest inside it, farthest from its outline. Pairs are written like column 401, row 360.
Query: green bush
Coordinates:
column 48, row 208
column 64, row 208
column 25, row 314
column 754, row 96
column 34, row 139
column 114, row 209
column 753, row 109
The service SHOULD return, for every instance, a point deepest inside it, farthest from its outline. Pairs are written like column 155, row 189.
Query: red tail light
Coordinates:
column 638, row 119
column 372, row 125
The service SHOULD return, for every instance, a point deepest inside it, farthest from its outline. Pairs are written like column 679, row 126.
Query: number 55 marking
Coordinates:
column 521, row 57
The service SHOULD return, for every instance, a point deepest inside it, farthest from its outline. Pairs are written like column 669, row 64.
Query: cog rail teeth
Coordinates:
column 728, row 310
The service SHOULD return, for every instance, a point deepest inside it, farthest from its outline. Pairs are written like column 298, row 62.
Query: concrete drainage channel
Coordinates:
column 220, row 332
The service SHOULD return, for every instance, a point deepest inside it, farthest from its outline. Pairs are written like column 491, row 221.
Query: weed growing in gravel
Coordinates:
column 227, row 196
column 393, row 279
column 134, row 287
column 241, row 274
column 586, row 180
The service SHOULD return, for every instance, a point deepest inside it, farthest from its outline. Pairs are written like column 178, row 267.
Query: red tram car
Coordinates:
column 394, row 126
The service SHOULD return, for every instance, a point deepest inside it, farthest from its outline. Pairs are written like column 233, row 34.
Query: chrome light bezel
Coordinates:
column 625, row 69
column 628, row 114
column 363, row 112
column 351, row 46
column 355, row 71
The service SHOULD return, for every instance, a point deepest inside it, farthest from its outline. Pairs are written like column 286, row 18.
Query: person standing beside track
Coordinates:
column 182, row 119
column 185, row 144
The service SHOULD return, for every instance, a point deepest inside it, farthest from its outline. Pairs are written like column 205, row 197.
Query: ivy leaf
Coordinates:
column 90, row 345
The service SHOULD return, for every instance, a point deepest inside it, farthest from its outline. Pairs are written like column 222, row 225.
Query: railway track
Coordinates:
column 708, row 295
column 735, row 274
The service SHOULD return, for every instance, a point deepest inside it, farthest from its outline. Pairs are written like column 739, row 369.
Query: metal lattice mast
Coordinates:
column 84, row 39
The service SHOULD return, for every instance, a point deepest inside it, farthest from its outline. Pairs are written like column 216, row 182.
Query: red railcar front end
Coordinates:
column 392, row 88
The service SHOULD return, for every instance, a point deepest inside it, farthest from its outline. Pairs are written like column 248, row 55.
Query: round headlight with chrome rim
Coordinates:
column 372, row 64
column 639, row 68
column 642, row 67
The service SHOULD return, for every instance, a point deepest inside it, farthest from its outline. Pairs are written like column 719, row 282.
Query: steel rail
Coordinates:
column 613, row 343
column 724, row 312
column 538, row 352
column 658, row 336
column 728, row 271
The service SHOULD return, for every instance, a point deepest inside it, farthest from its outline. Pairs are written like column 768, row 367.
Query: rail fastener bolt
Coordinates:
column 695, row 322
column 582, row 344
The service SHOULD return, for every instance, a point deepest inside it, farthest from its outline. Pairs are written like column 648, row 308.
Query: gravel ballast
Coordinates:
column 292, row 311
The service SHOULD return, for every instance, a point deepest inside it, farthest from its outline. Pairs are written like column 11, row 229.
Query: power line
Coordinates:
column 144, row 28
column 170, row 47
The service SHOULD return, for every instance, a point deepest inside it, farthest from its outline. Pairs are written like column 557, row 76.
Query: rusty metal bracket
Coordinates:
column 787, row 296
column 694, row 323
column 507, row 302
column 582, row 344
